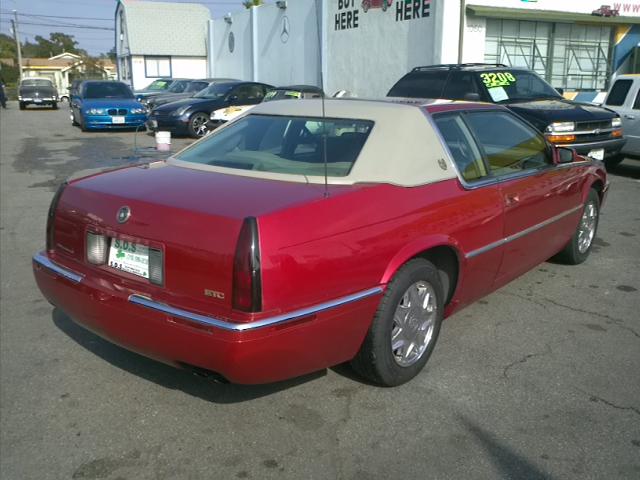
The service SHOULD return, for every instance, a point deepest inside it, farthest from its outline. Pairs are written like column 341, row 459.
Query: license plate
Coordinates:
column 597, row 154
column 37, row 100
column 119, row 120
column 129, row 257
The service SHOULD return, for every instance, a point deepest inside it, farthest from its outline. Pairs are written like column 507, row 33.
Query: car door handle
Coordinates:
column 511, row 199
column 630, row 117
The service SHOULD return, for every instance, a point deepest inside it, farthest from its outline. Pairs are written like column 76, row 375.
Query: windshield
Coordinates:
column 215, row 91
column 196, row 87
column 158, row 85
column 107, row 90
column 513, row 86
column 178, row 86
column 291, row 145
column 37, row 82
column 281, row 94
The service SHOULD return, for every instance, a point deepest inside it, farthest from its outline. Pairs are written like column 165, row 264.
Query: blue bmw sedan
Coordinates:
column 106, row 104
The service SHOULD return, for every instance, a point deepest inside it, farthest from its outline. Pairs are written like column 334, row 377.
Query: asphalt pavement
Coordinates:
column 541, row 379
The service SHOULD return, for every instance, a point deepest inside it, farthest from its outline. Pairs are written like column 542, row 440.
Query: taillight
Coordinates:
column 96, row 248
column 51, row 216
column 156, row 266
column 247, row 282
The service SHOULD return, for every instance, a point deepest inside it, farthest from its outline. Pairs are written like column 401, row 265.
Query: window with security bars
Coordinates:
column 569, row 56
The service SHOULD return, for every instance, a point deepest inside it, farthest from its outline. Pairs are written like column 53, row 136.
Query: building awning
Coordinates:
column 548, row 15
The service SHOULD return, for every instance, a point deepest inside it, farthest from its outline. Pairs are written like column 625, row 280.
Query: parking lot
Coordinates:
column 539, row 380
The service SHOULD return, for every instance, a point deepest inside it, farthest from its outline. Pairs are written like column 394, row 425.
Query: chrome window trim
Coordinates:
column 43, row 261
column 147, row 302
column 483, row 182
column 522, row 233
column 494, row 180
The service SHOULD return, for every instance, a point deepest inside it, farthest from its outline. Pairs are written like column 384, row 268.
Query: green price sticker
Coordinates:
column 500, row 79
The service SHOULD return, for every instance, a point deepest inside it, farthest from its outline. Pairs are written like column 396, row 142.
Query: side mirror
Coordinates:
column 472, row 97
column 560, row 91
column 564, row 155
column 231, row 99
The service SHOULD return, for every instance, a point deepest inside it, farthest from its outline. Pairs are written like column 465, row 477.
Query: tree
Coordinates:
column 56, row 44
column 111, row 55
column 7, row 46
column 252, row 3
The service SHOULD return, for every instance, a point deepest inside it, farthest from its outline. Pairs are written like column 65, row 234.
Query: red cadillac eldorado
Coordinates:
column 299, row 237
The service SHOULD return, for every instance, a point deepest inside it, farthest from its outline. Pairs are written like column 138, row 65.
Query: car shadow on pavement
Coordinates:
column 509, row 463
column 167, row 376
column 629, row 169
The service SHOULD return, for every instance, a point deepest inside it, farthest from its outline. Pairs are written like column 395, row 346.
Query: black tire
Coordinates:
column 73, row 120
column 54, row 105
column 612, row 162
column 573, row 253
column 82, row 125
column 197, row 129
column 22, row 106
column 376, row 361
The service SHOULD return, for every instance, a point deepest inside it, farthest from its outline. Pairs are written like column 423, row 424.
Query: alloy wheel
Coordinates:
column 199, row 125
column 587, row 227
column 413, row 323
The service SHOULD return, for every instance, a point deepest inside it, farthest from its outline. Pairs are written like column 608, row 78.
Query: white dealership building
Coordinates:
column 364, row 46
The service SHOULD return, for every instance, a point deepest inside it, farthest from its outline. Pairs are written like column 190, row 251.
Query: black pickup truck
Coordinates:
column 589, row 129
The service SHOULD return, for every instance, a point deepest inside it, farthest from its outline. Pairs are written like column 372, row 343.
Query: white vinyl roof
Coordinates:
column 402, row 148
column 160, row 28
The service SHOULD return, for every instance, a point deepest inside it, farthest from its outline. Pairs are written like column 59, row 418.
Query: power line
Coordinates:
column 88, row 27
column 64, row 16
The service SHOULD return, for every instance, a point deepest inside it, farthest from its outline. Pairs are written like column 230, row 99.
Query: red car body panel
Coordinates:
column 314, row 249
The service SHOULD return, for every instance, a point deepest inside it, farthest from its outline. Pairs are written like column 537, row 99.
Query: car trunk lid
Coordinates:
column 194, row 217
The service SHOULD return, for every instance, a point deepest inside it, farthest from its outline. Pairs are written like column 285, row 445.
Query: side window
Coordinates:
column 463, row 149
column 509, row 144
column 460, row 85
column 636, row 104
column 618, row 92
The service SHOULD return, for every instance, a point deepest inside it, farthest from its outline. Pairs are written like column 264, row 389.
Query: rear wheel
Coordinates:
column 578, row 249
column 405, row 328
column 198, row 124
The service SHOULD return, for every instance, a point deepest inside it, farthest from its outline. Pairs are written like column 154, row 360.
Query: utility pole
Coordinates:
column 16, row 35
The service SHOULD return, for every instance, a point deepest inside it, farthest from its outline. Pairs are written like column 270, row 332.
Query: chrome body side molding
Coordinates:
column 522, row 233
column 43, row 261
column 146, row 302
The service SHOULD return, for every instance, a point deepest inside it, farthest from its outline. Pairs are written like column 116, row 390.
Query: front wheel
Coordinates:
column 405, row 328
column 198, row 125
column 579, row 247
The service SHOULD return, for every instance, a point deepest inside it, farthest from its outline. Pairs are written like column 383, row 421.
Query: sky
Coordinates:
column 96, row 15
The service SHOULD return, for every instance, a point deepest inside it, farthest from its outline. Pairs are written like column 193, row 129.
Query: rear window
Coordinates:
column 279, row 144
column 107, row 90
column 420, row 84
column 37, row 82
column 619, row 92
